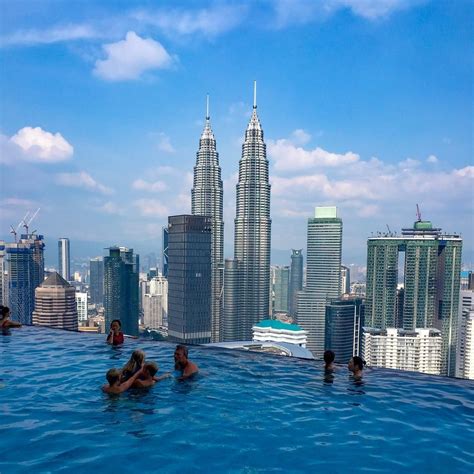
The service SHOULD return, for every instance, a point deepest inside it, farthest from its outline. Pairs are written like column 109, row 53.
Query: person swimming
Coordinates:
column 5, row 321
column 115, row 337
column 329, row 357
column 134, row 364
column 356, row 366
column 183, row 364
column 115, row 386
column 148, row 377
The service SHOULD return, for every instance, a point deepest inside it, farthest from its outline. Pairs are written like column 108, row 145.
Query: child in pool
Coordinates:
column 115, row 386
column 5, row 321
column 133, row 365
column 148, row 377
column 115, row 336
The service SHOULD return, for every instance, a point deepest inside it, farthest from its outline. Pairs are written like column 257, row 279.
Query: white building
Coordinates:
column 418, row 350
column 155, row 303
column 271, row 330
column 464, row 353
column 81, row 303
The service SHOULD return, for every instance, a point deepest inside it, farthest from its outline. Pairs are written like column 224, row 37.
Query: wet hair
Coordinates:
column 151, row 368
column 181, row 347
column 4, row 310
column 116, row 321
column 329, row 357
column 112, row 376
column 135, row 361
column 358, row 362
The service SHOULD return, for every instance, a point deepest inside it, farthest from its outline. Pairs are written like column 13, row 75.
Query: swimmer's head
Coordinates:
column 113, row 376
column 329, row 357
column 151, row 367
column 180, row 356
column 138, row 356
column 4, row 312
column 116, row 325
column 356, row 363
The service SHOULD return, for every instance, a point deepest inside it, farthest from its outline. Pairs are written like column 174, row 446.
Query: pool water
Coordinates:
column 246, row 413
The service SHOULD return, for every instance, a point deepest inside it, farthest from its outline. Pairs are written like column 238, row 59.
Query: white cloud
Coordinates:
column 34, row 144
column 432, row 159
column 56, row 34
column 374, row 9
column 112, row 208
column 210, row 22
column 300, row 137
column 152, row 187
column 164, row 143
column 466, row 172
column 287, row 156
column 129, row 58
column 82, row 180
column 151, row 208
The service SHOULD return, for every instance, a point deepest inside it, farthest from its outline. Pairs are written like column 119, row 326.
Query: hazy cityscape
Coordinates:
column 207, row 181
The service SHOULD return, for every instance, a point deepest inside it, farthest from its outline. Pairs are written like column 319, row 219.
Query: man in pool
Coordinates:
column 183, row 364
column 114, row 386
column 148, row 378
column 329, row 357
column 356, row 366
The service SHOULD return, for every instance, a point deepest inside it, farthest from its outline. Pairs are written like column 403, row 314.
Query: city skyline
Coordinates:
column 374, row 142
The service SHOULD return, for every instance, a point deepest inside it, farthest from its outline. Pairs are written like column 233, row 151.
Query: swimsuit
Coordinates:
column 117, row 339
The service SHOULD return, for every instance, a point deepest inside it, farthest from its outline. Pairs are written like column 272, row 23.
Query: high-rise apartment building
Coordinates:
column 417, row 350
column 296, row 279
column 343, row 331
column 323, row 275
column 207, row 200
column 55, row 304
column 96, row 283
column 82, row 306
column 64, row 258
column 164, row 253
column 3, row 275
column 281, row 286
column 121, row 289
column 345, row 280
column 155, row 303
column 24, row 265
column 464, row 351
column 189, row 279
column 468, row 356
column 252, row 235
column 431, row 284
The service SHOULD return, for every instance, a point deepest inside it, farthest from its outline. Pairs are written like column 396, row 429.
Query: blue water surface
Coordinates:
column 245, row 413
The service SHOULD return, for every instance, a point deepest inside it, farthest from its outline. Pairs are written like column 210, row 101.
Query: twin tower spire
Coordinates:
column 246, row 301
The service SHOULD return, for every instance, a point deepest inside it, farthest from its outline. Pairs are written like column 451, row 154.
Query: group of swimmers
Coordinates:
column 355, row 365
column 141, row 373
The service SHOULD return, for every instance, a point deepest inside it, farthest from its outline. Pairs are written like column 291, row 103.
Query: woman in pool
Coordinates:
column 133, row 365
column 356, row 366
column 5, row 321
column 115, row 336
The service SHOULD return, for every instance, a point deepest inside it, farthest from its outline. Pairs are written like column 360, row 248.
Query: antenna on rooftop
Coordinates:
column 418, row 213
column 254, row 94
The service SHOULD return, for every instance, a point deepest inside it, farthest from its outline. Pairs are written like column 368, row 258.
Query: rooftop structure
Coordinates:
column 271, row 330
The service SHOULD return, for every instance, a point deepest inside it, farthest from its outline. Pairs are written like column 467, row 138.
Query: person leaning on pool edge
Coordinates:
column 183, row 364
column 5, row 321
column 115, row 336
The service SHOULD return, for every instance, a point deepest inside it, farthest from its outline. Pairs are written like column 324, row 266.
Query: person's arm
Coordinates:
column 126, row 385
column 13, row 324
column 110, row 338
column 161, row 377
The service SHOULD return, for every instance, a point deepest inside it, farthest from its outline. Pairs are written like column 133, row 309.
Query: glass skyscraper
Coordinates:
column 323, row 275
column 96, row 284
column 64, row 258
column 121, row 268
column 296, row 279
column 252, row 236
column 206, row 200
column 189, row 279
column 432, row 266
column 281, row 282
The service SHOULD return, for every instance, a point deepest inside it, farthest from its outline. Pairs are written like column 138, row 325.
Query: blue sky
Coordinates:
column 366, row 105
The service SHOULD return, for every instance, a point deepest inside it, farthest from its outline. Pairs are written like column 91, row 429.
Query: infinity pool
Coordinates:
column 246, row 413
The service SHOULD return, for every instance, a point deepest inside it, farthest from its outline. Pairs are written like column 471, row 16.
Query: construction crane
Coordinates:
column 15, row 231
column 418, row 213
column 26, row 225
column 389, row 231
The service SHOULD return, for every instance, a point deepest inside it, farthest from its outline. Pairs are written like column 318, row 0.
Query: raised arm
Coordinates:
column 126, row 385
column 110, row 338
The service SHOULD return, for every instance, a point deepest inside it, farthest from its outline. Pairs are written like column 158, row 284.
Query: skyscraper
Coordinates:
column 189, row 279
column 323, row 275
column 281, row 283
column 164, row 253
column 344, row 322
column 25, row 266
column 431, row 283
column 121, row 289
column 55, row 304
column 64, row 259
column 96, row 285
column 345, row 280
column 252, row 233
column 206, row 200
column 465, row 347
column 296, row 279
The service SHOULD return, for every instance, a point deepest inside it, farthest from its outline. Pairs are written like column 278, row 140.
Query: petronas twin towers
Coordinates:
column 240, row 295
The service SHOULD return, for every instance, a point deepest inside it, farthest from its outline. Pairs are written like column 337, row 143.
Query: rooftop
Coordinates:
column 276, row 324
